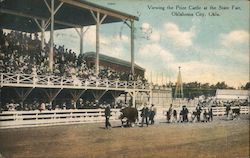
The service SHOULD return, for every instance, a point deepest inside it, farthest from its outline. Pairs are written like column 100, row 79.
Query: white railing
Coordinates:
column 217, row 111
column 29, row 80
column 10, row 119
column 14, row 119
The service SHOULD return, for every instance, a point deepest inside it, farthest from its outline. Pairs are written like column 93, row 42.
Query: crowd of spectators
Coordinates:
column 236, row 102
column 70, row 104
column 22, row 53
column 203, row 111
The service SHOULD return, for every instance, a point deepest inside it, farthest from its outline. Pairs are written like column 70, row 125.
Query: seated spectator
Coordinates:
column 42, row 107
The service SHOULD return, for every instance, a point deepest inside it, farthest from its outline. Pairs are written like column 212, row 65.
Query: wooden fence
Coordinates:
column 15, row 119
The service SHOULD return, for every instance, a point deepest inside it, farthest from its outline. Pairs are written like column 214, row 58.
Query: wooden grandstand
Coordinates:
column 48, row 15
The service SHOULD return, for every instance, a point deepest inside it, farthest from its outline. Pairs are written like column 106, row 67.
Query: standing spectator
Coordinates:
column 228, row 108
column 185, row 114
column 152, row 113
column 175, row 115
column 170, row 111
column 181, row 116
column 210, row 112
column 107, row 116
column 205, row 114
column 198, row 112
column 144, row 115
column 168, row 117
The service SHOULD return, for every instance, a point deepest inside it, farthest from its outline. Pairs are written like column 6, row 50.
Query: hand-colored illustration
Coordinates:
column 134, row 79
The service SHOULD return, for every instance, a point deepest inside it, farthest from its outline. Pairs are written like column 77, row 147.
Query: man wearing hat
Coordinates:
column 144, row 115
column 107, row 113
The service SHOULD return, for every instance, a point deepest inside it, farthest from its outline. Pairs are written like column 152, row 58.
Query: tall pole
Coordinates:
column 157, row 78
column 162, row 78
column 97, row 42
column 42, row 34
column 134, row 95
column 51, row 37
column 132, row 48
column 1, row 100
column 81, row 40
column 150, row 96
column 165, row 79
column 179, row 86
column 151, row 79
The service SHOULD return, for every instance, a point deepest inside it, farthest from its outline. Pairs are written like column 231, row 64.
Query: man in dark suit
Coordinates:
column 107, row 113
column 185, row 114
column 198, row 112
column 152, row 112
column 144, row 115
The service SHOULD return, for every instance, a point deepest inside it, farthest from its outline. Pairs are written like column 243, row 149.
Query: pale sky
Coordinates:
column 209, row 49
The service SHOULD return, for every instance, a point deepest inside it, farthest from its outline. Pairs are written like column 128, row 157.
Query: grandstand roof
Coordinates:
column 19, row 14
column 106, row 58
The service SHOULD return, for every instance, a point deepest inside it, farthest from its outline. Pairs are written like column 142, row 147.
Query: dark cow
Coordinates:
column 235, row 113
column 129, row 114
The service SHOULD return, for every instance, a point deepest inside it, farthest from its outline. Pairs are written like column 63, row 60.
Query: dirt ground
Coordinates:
column 218, row 139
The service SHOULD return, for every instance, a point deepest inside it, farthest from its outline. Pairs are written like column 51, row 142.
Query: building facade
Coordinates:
column 112, row 63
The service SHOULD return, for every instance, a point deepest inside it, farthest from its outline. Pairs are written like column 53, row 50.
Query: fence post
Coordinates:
column 1, row 80
column 107, row 83
column 61, row 81
column 85, row 83
column 100, row 115
column 116, row 84
column 97, row 83
column 48, row 83
column 15, row 116
column 18, row 78
column 33, row 77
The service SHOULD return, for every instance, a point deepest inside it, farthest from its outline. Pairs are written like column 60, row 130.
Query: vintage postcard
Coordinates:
column 124, row 78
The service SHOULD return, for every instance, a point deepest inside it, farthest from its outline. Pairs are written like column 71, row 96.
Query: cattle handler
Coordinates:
column 107, row 116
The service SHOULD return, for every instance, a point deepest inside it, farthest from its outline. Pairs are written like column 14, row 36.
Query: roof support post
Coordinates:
column 52, row 94
column 132, row 48
column 76, row 94
column 42, row 34
column 150, row 96
column 1, row 102
column 97, row 42
column 98, row 94
column 51, row 52
column 81, row 40
column 42, row 27
column 98, row 23
column 133, row 95
column 81, row 35
column 23, row 93
column 115, row 94
column 132, row 45
column 53, row 11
